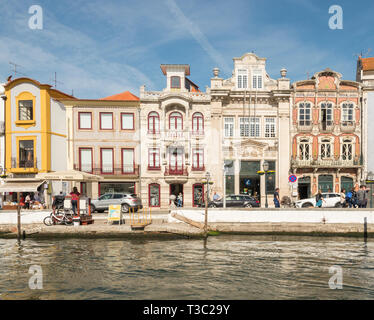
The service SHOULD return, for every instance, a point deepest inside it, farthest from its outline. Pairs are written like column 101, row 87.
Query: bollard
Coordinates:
column 365, row 228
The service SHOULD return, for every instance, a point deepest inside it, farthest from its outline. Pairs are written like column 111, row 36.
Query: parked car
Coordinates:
column 126, row 200
column 233, row 200
column 332, row 200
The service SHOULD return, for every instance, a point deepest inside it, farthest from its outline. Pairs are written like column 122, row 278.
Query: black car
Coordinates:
column 236, row 200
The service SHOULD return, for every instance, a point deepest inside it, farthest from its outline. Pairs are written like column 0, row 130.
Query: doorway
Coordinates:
column 304, row 188
column 175, row 189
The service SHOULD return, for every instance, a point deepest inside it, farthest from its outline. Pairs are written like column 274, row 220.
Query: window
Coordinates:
column 154, row 195
column 198, row 159
column 304, row 150
column 127, row 121
column 197, row 123
column 175, row 82
column 326, row 115
column 176, row 159
column 242, row 79
column 26, row 154
column 106, row 120
column 175, row 121
column 85, row 120
column 25, row 110
column 270, row 127
column 244, row 127
column 325, row 149
column 85, row 159
column 257, row 80
column 254, row 127
column 347, row 113
column 304, row 114
column 128, row 161
column 229, row 127
column 106, row 160
column 347, row 150
column 154, row 158
column 153, row 123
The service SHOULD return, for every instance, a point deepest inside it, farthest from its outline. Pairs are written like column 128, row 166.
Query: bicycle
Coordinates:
column 59, row 218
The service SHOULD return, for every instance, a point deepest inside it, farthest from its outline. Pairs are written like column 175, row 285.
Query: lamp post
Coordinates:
column 265, row 166
column 207, row 177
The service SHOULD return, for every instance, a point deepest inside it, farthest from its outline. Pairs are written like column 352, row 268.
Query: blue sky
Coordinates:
column 100, row 48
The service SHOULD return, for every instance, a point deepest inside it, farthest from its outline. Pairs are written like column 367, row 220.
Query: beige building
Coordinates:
column 177, row 144
column 250, row 115
column 329, row 130
column 102, row 139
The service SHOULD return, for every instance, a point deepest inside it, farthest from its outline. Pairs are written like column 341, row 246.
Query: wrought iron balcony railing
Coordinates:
column 116, row 170
column 176, row 171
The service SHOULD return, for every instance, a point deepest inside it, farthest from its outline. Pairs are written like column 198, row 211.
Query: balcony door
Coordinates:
column 176, row 159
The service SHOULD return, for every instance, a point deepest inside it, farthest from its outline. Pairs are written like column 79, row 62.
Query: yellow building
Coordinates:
column 35, row 129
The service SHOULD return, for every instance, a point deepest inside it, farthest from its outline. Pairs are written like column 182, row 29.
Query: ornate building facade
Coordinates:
column 328, row 133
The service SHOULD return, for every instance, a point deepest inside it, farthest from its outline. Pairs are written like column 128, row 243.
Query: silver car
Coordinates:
column 126, row 200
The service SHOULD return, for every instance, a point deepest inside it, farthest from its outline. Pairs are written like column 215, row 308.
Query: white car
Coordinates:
column 332, row 200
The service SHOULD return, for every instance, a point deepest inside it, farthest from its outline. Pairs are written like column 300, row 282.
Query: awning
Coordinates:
column 70, row 175
column 21, row 186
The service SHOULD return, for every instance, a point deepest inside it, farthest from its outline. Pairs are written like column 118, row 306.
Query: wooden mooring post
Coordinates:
column 18, row 217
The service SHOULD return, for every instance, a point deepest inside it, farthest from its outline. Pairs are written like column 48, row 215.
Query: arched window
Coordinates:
column 304, row 114
column 326, row 149
column 154, row 195
column 153, row 122
column 175, row 121
column 197, row 122
column 347, row 150
column 304, row 149
column 347, row 113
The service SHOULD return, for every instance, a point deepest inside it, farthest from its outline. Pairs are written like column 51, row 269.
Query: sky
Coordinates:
column 100, row 48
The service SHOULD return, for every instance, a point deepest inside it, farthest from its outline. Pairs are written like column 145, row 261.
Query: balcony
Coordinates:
column 199, row 169
column 326, row 126
column 24, row 166
column 176, row 171
column 305, row 126
column 117, row 170
column 347, row 126
column 326, row 163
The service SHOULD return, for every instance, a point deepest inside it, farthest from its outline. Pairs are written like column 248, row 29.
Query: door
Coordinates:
column 198, row 192
column 325, row 183
column 346, row 183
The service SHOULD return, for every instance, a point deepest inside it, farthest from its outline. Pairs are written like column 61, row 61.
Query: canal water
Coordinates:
column 224, row 267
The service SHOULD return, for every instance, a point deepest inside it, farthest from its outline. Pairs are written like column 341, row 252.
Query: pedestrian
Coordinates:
column 180, row 200
column 348, row 199
column 74, row 199
column 27, row 201
column 343, row 202
column 365, row 201
column 354, row 198
column 319, row 199
column 276, row 198
column 361, row 197
column 216, row 197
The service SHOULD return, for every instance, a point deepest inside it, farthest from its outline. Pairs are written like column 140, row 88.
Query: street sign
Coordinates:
column 292, row 178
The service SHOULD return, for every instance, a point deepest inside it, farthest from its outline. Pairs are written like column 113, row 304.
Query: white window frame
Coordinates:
column 254, row 127
column 270, row 127
column 244, row 126
column 242, row 79
column 229, row 126
column 302, row 114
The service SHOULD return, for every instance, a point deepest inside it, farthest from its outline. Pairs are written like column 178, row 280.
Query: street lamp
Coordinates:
column 265, row 166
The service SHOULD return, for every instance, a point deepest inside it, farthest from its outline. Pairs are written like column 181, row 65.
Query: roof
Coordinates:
column 186, row 68
column 367, row 64
column 124, row 96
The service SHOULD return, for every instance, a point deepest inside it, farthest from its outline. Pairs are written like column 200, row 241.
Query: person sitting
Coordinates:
column 216, row 197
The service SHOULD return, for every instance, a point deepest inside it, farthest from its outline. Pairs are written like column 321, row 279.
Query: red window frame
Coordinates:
column 80, row 158
column 149, row 195
column 179, row 82
column 153, row 118
column 195, row 152
column 101, row 161
column 152, row 162
column 133, row 157
column 175, row 117
column 193, row 193
column 79, row 120
column 111, row 113
column 133, row 120
column 198, row 115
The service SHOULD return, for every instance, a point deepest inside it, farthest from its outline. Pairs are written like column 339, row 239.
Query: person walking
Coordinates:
column 361, row 197
column 276, row 198
column 180, row 200
column 348, row 198
column 74, row 199
column 354, row 199
column 343, row 202
column 319, row 199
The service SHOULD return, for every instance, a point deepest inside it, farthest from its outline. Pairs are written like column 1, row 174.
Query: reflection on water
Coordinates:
column 226, row 267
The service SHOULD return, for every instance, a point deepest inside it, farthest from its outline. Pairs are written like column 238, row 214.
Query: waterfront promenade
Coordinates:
column 317, row 222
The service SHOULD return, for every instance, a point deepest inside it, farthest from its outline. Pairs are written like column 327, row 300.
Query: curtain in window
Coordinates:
column 127, row 121
column 128, row 160
column 86, row 160
column 106, row 160
column 85, row 120
column 106, row 120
